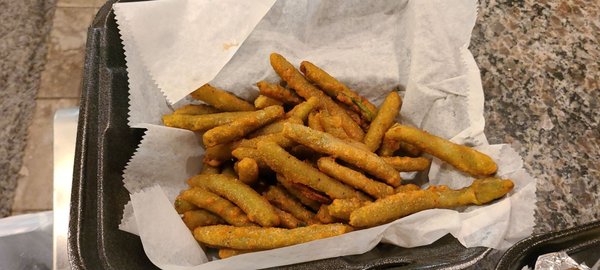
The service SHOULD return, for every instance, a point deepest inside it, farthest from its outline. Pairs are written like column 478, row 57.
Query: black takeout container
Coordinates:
column 105, row 144
column 582, row 243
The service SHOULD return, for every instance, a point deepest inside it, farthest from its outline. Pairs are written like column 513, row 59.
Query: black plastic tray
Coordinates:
column 104, row 145
column 582, row 243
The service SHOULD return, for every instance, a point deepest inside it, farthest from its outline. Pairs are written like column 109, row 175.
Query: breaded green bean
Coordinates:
column 358, row 145
column 241, row 126
column 201, row 122
column 405, row 203
column 314, row 121
column 481, row 191
column 207, row 169
column 316, row 195
column 405, row 188
column 338, row 90
column 363, row 123
column 287, row 220
column 288, row 185
column 342, row 208
column 409, row 149
column 325, row 143
column 305, row 89
column 354, row 178
column 262, row 102
column 295, row 170
column 196, row 109
column 277, row 138
column 247, row 170
column 278, row 92
column 200, row 217
column 229, row 171
column 302, row 152
column 302, row 110
column 408, row 164
column 217, row 205
column 257, row 208
column 275, row 127
column 249, row 152
column 244, row 238
column 384, row 119
column 462, row 157
column 332, row 125
column 389, row 146
column 280, row 198
column 216, row 155
column 225, row 253
column 324, row 217
column 221, row 99
column 182, row 206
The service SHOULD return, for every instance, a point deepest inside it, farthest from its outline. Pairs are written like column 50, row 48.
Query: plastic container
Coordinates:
column 104, row 145
column 582, row 243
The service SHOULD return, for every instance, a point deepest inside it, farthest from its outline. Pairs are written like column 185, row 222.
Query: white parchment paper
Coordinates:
column 372, row 46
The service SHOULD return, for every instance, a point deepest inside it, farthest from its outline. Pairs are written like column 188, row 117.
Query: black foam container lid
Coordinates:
column 582, row 243
column 105, row 144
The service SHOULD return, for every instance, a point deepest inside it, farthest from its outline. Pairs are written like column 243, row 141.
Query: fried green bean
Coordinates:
column 354, row 178
column 342, row 208
column 405, row 203
column 182, row 206
column 278, row 92
column 241, row 126
column 245, row 238
column 228, row 170
column 363, row 123
column 217, row 154
column 302, row 110
column 383, row 120
column 408, row 164
column 323, row 215
column 262, row 102
column 221, row 99
column 338, row 90
column 199, row 109
column 287, row 220
column 389, row 146
column 200, row 217
column 225, row 253
column 295, row 170
column 201, row 122
column 333, row 125
column 305, row 89
column 280, row 198
column 462, row 157
column 302, row 152
column 289, row 186
column 405, row 188
column 247, row 170
column 257, row 208
column 325, row 143
column 207, row 169
column 249, row 152
column 214, row 203
column 316, row 195
column 314, row 121
column 409, row 149
column 275, row 127
column 277, row 138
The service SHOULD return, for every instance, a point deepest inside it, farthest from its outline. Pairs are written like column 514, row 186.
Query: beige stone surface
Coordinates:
column 34, row 189
column 64, row 67
column 80, row 3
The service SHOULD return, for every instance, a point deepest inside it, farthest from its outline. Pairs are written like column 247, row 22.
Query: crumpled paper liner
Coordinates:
column 373, row 46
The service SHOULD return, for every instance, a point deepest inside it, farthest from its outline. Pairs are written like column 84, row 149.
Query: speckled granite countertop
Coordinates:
column 540, row 71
